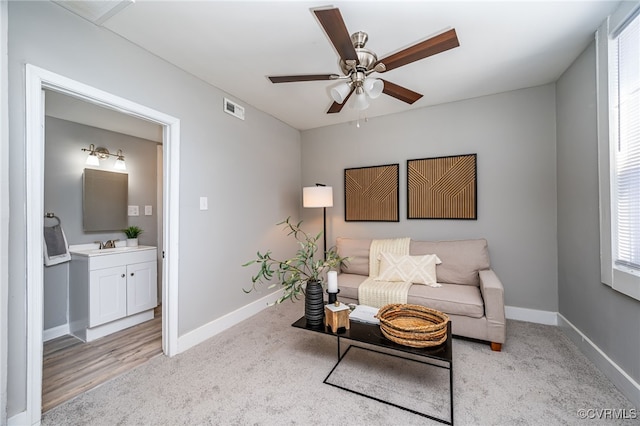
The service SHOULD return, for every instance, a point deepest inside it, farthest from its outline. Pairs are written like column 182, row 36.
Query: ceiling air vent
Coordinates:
column 233, row 109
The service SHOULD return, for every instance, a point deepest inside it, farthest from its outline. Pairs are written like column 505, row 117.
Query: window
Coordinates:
column 619, row 149
column 624, row 75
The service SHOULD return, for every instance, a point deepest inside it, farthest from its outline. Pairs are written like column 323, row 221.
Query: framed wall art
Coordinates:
column 442, row 188
column 371, row 194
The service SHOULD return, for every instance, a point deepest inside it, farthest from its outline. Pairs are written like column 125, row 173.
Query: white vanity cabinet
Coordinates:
column 110, row 290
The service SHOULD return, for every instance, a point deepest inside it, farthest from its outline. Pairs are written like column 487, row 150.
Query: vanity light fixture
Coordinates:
column 119, row 165
column 100, row 153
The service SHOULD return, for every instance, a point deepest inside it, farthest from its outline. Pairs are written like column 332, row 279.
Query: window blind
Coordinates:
column 626, row 131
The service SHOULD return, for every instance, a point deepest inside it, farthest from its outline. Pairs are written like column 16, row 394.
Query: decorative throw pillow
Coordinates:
column 414, row 269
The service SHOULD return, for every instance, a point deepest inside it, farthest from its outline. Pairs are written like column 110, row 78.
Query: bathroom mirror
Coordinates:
column 104, row 200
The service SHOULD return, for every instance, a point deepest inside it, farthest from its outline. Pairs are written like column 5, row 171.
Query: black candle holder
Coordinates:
column 333, row 297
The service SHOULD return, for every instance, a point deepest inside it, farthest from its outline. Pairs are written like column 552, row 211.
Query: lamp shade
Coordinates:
column 340, row 92
column 373, row 87
column 360, row 101
column 317, row 196
column 120, row 164
column 93, row 160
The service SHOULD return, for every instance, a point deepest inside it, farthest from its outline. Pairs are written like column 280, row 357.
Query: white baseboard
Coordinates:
column 531, row 315
column 219, row 325
column 625, row 383
column 20, row 419
column 55, row 332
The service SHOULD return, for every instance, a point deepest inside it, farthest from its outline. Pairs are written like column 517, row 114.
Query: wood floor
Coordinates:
column 71, row 367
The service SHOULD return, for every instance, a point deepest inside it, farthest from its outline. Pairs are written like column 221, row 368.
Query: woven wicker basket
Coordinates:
column 413, row 325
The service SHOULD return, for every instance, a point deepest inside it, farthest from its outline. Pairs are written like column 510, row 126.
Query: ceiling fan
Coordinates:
column 357, row 63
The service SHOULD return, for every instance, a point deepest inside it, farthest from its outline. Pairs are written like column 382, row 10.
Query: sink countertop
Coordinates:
column 93, row 250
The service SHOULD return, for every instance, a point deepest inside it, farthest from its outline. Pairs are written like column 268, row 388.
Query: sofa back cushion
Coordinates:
column 461, row 260
column 358, row 251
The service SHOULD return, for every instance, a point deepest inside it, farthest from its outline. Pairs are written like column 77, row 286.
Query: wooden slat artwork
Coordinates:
column 371, row 193
column 442, row 188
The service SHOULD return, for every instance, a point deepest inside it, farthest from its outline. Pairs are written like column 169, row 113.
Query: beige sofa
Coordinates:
column 470, row 293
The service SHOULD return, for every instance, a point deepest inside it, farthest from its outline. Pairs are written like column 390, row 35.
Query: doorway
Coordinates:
column 71, row 366
column 37, row 80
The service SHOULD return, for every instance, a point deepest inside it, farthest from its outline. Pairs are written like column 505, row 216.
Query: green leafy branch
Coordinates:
column 293, row 273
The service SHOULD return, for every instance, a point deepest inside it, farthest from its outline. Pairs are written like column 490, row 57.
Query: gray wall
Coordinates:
column 64, row 165
column 250, row 170
column 610, row 319
column 514, row 136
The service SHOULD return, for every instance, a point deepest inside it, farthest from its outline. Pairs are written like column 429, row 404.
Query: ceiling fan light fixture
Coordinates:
column 373, row 87
column 340, row 91
column 360, row 100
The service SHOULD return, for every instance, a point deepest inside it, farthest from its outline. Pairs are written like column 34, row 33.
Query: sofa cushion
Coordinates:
column 358, row 252
column 414, row 269
column 461, row 260
column 452, row 299
column 464, row 300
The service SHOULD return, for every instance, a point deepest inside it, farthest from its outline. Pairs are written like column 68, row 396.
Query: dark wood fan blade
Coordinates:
column 295, row 78
column 336, row 107
column 399, row 92
column 440, row 43
column 333, row 24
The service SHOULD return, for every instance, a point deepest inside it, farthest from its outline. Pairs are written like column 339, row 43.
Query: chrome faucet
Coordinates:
column 107, row 244
column 110, row 244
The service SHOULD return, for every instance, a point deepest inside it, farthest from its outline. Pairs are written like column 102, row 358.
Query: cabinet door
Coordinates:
column 142, row 287
column 107, row 295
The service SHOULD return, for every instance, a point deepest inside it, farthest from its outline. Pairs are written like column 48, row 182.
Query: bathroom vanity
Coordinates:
column 110, row 289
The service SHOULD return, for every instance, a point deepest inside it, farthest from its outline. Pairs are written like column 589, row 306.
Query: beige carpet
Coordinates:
column 265, row 372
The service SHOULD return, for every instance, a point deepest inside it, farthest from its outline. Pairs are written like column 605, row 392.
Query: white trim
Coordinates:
column 170, row 237
column 55, row 332
column 624, row 283
column 19, row 419
column 34, row 168
column 202, row 333
column 604, row 150
column 625, row 383
column 38, row 79
column 4, row 206
column 93, row 333
column 531, row 315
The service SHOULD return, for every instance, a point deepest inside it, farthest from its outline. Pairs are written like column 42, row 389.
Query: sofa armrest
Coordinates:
column 493, row 295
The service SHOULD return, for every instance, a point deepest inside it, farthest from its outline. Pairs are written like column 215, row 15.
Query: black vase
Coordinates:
column 314, row 303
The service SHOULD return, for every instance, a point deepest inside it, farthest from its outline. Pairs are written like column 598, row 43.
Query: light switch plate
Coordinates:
column 133, row 211
column 148, row 210
column 204, row 203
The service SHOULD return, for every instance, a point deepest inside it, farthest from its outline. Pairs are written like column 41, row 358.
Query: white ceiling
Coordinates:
column 235, row 45
column 76, row 110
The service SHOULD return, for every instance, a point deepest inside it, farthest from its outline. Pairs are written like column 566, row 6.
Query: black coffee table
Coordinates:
column 439, row 356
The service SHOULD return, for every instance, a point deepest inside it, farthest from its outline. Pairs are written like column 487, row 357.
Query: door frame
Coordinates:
column 38, row 79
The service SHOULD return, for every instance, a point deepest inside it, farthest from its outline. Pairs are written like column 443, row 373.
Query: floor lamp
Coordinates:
column 319, row 196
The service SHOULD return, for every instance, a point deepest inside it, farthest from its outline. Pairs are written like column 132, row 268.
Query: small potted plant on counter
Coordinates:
column 132, row 233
